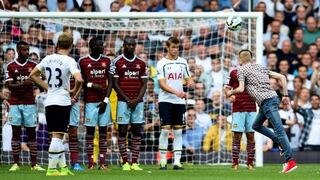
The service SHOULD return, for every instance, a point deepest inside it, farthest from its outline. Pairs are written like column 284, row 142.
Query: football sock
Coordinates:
column 123, row 149
column 15, row 143
column 177, row 145
column 54, row 153
column 102, row 145
column 235, row 150
column 135, row 144
column 73, row 144
column 89, row 144
column 251, row 152
column 163, row 145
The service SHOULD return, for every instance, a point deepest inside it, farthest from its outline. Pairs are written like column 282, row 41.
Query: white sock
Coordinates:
column 177, row 145
column 163, row 145
column 54, row 153
column 62, row 160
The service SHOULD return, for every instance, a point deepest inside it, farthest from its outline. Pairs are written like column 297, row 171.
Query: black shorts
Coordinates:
column 58, row 118
column 171, row 114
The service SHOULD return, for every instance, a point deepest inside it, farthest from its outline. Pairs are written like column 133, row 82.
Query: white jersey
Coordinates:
column 58, row 69
column 173, row 71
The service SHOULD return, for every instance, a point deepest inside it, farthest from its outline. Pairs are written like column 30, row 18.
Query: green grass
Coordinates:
column 195, row 172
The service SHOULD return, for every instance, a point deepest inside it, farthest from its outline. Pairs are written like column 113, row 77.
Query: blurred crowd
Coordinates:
column 291, row 46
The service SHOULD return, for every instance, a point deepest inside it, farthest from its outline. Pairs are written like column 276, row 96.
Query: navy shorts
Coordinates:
column 171, row 114
column 58, row 118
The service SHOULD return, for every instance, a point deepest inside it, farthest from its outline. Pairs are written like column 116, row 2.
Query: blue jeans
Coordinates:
column 269, row 109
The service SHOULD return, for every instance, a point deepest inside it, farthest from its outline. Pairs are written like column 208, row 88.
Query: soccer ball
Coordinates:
column 234, row 22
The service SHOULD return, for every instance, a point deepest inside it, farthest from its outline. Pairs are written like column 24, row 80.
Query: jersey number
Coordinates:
column 57, row 77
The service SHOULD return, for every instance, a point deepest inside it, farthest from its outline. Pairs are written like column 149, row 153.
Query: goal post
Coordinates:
column 158, row 27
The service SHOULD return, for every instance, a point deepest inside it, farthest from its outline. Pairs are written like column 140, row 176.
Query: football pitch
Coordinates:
column 196, row 172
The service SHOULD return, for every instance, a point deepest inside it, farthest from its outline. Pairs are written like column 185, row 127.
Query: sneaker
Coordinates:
column 77, row 167
column 65, row 172
column 178, row 167
column 103, row 167
column 250, row 167
column 289, row 166
column 126, row 167
column 163, row 166
column 52, row 172
column 235, row 167
column 37, row 168
column 14, row 167
column 135, row 167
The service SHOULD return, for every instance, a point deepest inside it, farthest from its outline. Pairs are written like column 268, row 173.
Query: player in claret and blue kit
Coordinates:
column 130, row 82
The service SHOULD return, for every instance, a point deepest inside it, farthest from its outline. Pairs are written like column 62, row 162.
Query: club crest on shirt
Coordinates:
column 119, row 119
column 124, row 66
column 103, row 64
column 30, row 69
column 138, row 66
column 235, row 125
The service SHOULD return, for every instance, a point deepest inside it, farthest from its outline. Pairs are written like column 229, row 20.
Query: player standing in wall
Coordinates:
column 172, row 70
column 97, row 88
column 130, row 82
column 243, row 116
column 255, row 79
column 23, row 111
column 58, row 68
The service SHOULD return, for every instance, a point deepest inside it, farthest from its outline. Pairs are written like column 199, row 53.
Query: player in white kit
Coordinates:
column 172, row 71
column 58, row 68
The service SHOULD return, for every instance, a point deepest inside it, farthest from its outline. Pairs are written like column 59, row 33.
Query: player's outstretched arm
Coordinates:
column 35, row 76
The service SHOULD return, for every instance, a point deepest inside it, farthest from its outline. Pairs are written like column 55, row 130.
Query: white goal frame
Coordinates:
column 144, row 15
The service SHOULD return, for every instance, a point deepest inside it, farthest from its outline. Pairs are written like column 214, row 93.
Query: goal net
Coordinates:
column 207, row 45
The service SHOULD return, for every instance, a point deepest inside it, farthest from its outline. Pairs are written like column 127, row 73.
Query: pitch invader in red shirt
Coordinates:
column 130, row 82
column 23, row 111
column 97, row 88
column 243, row 116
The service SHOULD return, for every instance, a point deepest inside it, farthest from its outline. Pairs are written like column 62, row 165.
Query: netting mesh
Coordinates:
column 208, row 47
